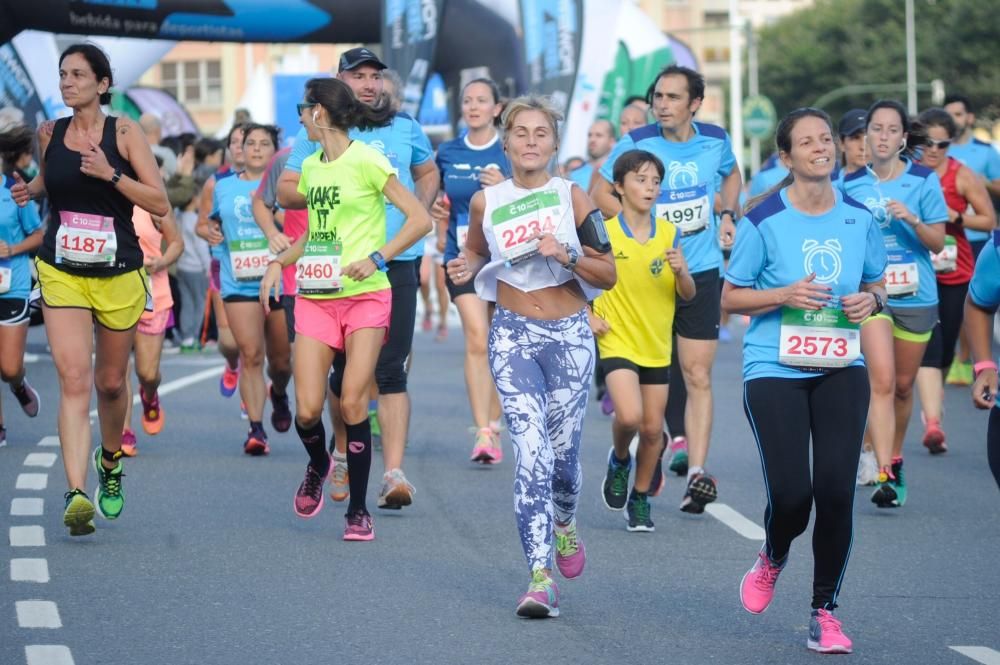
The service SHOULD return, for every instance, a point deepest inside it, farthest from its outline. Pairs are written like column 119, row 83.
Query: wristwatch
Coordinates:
column 379, row 260
column 879, row 304
column 574, row 256
column 731, row 213
column 116, row 176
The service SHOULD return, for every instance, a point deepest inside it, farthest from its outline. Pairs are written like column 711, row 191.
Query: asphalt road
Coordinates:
column 208, row 565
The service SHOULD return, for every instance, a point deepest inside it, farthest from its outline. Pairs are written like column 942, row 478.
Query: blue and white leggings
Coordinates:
column 543, row 371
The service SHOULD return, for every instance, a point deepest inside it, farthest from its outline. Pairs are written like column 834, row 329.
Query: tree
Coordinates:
column 842, row 42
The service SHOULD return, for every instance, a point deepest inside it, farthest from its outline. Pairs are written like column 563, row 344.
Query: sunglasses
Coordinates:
column 940, row 145
column 304, row 106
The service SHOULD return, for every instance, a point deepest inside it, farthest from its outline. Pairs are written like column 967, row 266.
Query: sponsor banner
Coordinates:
column 17, row 88
column 553, row 36
column 303, row 21
column 409, row 39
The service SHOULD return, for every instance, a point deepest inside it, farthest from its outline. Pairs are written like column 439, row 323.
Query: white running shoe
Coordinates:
column 867, row 468
column 396, row 491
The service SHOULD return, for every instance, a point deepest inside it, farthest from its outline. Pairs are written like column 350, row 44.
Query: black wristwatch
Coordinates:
column 958, row 220
column 879, row 304
column 574, row 256
column 116, row 176
column 731, row 213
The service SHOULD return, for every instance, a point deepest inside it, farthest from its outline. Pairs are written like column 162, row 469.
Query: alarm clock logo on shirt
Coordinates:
column 682, row 174
column 877, row 207
column 823, row 259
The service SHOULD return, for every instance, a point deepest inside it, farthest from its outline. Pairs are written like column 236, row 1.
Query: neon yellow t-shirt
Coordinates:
column 347, row 209
column 640, row 308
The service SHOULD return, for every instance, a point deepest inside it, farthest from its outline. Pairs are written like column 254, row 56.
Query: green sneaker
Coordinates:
column 959, row 374
column 79, row 514
column 900, row 483
column 110, row 496
column 376, row 430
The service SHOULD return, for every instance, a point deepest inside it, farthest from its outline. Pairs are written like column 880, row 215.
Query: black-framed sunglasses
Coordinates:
column 304, row 106
column 940, row 145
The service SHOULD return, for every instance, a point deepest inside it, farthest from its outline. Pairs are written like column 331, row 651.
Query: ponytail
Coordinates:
column 755, row 201
column 344, row 109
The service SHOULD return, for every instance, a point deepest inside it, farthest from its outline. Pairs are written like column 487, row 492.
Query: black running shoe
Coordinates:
column 637, row 513
column 615, row 488
column 701, row 491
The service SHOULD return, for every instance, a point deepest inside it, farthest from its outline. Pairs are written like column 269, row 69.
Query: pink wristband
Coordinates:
column 984, row 364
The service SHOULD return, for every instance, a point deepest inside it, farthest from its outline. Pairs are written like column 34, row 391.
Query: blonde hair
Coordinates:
column 531, row 103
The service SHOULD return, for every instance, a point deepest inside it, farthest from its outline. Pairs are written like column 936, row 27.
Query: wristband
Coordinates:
column 731, row 213
column 959, row 220
column 379, row 261
column 983, row 364
column 116, row 176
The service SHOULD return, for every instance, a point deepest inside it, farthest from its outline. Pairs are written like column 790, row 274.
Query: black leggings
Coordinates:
column 993, row 443
column 783, row 413
column 951, row 308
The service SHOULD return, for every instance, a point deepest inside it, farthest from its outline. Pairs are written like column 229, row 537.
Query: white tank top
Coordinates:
column 514, row 214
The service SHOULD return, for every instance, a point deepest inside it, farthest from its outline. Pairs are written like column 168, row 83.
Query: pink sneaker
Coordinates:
column 757, row 587
column 571, row 556
column 482, row 449
column 359, row 526
column 309, row 496
column 825, row 635
column 128, row 443
column 542, row 599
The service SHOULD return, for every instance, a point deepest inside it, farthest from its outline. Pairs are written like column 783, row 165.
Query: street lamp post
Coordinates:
column 911, row 60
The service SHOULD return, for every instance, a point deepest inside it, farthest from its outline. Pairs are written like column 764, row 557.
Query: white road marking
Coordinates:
column 27, row 536
column 21, row 507
column 31, row 357
column 32, row 481
column 173, row 386
column 50, row 441
column 984, row 655
column 45, row 460
column 29, row 570
column 37, row 614
column 48, row 654
column 735, row 521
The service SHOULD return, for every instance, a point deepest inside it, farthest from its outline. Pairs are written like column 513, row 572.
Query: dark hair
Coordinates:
column 631, row 162
column 205, row 147
column 938, row 117
column 695, row 81
column 238, row 127
column 494, row 90
column 916, row 135
column 15, row 142
column 632, row 99
column 271, row 130
column 344, row 109
column 98, row 61
column 959, row 99
column 783, row 141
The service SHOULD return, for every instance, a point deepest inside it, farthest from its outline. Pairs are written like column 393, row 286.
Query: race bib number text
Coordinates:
column 818, row 339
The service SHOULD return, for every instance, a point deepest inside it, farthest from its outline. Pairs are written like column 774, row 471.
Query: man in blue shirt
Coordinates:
column 699, row 163
column 978, row 155
column 406, row 146
column 600, row 141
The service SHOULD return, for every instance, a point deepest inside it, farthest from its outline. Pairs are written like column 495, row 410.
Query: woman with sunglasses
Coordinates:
column 344, row 299
column 906, row 200
column 952, row 266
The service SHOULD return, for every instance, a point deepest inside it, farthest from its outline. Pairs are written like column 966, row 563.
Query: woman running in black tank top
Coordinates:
column 95, row 169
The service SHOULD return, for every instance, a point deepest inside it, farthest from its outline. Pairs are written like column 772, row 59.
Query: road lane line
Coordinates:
column 29, row 570
column 983, row 655
column 37, row 614
column 45, row 460
column 32, row 481
column 21, row 507
column 173, row 386
column 735, row 521
column 26, row 536
column 49, row 441
column 48, row 654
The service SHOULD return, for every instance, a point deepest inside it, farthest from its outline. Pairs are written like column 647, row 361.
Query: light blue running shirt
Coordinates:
column 404, row 144
column 919, row 189
column 984, row 289
column 984, row 160
column 16, row 224
column 232, row 204
column 693, row 170
column 777, row 245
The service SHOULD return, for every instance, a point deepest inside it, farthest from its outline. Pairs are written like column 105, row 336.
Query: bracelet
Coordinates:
column 983, row 364
column 959, row 220
column 280, row 264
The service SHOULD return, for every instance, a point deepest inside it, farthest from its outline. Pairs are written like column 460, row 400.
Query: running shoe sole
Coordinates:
column 529, row 608
column 395, row 499
column 934, row 442
column 679, row 463
column 702, row 492
column 256, row 448
column 885, row 496
column 79, row 517
column 836, row 648
column 640, row 528
column 38, row 403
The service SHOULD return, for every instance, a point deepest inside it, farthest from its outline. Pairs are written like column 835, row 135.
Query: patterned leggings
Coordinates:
column 542, row 371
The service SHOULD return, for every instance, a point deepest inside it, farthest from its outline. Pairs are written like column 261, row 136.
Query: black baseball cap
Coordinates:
column 854, row 121
column 359, row 56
